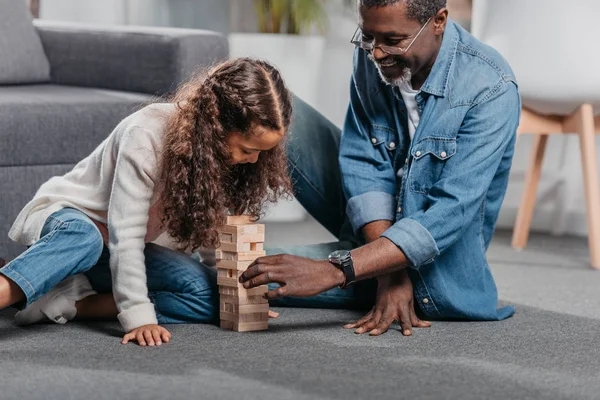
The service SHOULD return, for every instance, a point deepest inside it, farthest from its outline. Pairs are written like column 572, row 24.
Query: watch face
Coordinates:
column 338, row 254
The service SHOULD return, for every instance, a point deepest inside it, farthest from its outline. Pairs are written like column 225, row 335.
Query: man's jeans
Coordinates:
column 182, row 288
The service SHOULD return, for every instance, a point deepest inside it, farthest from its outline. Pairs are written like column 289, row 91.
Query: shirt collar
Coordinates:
column 437, row 81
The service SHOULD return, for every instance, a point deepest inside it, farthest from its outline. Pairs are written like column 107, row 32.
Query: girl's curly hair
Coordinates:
column 199, row 183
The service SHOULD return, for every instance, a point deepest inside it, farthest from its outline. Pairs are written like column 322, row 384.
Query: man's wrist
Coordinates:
column 338, row 279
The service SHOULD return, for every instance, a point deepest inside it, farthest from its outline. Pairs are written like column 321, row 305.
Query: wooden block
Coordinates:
column 227, row 325
column 232, row 264
column 235, row 247
column 227, row 307
column 243, row 229
column 241, row 238
column 240, row 256
column 239, row 220
column 229, row 273
column 256, row 246
column 242, row 293
column 243, row 308
column 231, row 282
column 251, row 317
column 248, row 300
column 251, row 326
column 226, row 237
column 251, row 308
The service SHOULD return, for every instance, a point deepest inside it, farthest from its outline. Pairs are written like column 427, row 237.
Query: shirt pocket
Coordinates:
column 429, row 156
column 385, row 139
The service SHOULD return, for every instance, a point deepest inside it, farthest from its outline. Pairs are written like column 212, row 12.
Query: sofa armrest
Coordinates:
column 135, row 59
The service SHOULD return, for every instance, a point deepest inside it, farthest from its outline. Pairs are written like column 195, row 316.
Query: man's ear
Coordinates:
column 439, row 21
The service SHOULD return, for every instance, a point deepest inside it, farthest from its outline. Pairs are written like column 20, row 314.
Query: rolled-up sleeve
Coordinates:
column 457, row 196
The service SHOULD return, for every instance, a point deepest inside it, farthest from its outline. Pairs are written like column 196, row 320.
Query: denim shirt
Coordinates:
column 443, row 189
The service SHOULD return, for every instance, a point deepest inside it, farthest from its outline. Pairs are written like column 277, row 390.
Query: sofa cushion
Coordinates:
column 53, row 124
column 22, row 57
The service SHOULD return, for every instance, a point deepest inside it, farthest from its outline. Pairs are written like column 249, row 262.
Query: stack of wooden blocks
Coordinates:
column 242, row 310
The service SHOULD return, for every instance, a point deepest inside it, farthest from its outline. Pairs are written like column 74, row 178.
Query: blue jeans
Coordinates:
column 313, row 147
column 181, row 288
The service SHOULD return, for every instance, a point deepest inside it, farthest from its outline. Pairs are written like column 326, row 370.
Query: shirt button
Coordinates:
column 373, row 140
column 425, row 300
column 443, row 154
column 392, row 145
column 418, row 154
column 399, row 209
column 406, row 161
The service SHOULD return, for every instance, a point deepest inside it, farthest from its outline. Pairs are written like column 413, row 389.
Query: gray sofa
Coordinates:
column 97, row 76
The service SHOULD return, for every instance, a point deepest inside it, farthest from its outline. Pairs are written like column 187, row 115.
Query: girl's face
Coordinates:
column 246, row 149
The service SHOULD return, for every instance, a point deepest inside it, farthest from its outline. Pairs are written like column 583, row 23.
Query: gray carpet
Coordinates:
column 549, row 350
column 307, row 355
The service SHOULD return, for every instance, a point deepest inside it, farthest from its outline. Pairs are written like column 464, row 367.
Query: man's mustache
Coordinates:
column 398, row 61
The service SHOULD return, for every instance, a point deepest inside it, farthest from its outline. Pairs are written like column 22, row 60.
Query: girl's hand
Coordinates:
column 148, row 334
column 273, row 314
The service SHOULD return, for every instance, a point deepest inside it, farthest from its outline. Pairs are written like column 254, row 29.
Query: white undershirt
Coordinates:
column 412, row 110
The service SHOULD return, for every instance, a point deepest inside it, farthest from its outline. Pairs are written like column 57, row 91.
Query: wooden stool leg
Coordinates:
column 525, row 212
column 591, row 182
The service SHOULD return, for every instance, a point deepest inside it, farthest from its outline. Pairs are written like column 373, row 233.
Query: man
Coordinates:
column 425, row 156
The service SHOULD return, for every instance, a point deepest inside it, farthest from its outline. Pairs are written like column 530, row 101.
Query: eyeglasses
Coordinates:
column 392, row 50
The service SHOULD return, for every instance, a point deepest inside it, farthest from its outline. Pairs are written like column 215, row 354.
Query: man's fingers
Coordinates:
column 254, row 270
column 405, row 324
column 268, row 260
column 382, row 327
column 372, row 323
column 166, row 336
column 276, row 293
column 418, row 323
column 263, row 279
column 361, row 321
column 385, row 321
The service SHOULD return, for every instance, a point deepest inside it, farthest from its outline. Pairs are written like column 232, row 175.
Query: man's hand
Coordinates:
column 394, row 303
column 148, row 334
column 297, row 276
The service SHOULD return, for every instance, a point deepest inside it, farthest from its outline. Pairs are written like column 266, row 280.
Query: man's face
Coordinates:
column 389, row 25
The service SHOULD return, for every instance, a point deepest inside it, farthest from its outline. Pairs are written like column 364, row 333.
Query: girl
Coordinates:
column 175, row 167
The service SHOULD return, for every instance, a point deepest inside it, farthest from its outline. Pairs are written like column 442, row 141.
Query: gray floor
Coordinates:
column 548, row 350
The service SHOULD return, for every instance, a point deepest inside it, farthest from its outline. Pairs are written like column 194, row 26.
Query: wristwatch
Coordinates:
column 342, row 259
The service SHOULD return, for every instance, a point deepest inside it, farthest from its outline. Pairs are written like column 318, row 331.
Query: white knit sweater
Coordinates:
column 117, row 185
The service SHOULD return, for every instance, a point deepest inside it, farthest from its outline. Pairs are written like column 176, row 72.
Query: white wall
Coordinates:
column 204, row 14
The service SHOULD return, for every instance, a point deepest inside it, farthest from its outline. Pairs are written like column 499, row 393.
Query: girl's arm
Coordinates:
column 128, row 214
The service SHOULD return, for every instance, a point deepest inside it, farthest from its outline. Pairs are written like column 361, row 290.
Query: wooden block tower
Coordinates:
column 242, row 309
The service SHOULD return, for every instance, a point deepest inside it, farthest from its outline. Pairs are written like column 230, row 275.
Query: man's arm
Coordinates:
column 489, row 127
column 374, row 230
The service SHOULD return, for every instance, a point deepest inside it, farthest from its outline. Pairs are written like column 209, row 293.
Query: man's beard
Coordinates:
column 404, row 78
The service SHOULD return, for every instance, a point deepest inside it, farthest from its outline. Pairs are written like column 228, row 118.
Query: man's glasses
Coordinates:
column 392, row 50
